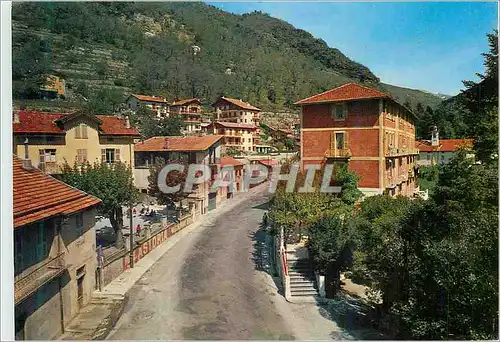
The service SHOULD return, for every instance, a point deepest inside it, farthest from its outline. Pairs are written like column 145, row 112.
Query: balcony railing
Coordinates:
column 26, row 284
column 338, row 153
column 186, row 111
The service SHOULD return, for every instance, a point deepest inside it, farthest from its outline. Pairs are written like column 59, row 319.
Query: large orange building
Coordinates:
column 365, row 128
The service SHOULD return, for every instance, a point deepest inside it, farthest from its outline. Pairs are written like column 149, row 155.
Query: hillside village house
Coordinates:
column 233, row 110
column 438, row 152
column 189, row 149
column 54, row 252
column 365, row 128
column 238, row 136
column 52, row 138
column 53, row 87
column 157, row 104
column 190, row 110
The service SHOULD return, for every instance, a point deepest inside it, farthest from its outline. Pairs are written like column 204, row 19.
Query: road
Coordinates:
column 210, row 285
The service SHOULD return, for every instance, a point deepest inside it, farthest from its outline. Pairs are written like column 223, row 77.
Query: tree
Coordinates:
column 173, row 179
column 481, row 99
column 105, row 101
column 330, row 246
column 112, row 183
column 30, row 66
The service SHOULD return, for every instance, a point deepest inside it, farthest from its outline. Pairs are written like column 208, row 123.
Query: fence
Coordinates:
column 115, row 264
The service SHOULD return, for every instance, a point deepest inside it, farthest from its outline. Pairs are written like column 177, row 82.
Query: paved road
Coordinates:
column 210, row 285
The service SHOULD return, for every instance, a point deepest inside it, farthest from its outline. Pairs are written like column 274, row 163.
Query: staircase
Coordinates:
column 302, row 280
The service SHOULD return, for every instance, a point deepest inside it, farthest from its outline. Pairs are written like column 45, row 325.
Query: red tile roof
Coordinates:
column 186, row 101
column 268, row 162
column 240, row 103
column 187, row 143
column 38, row 196
column 445, row 145
column 349, row 91
column 228, row 160
column 236, row 125
column 159, row 99
column 34, row 122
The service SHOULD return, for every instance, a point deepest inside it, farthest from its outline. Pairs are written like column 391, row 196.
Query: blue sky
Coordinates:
column 430, row 46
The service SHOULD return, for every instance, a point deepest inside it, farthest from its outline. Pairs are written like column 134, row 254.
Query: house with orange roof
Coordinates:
column 237, row 111
column 54, row 252
column 365, row 128
column 204, row 150
column 50, row 139
column 157, row 104
column 191, row 111
column 439, row 151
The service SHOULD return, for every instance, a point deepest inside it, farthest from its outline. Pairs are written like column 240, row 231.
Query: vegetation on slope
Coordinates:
column 146, row 48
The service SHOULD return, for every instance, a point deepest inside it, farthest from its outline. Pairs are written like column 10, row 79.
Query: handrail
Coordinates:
column 283, row 262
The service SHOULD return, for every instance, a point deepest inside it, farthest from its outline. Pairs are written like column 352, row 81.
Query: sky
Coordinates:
column 431, row 46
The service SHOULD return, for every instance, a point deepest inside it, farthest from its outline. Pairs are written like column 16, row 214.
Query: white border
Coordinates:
column 7, row 233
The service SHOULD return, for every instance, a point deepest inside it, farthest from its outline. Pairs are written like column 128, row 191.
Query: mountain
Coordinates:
column 104, row 50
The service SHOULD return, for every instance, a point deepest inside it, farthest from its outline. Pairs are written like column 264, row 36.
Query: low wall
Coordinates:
column 120, row 262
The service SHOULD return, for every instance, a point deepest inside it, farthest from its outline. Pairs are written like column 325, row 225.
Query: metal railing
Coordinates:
column 25, row 284
column 338, row 153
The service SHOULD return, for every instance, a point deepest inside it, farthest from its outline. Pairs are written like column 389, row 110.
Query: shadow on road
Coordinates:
column 262, row 256
column 354, row 316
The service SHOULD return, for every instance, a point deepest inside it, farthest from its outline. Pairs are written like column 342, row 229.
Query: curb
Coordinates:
column 103, row 330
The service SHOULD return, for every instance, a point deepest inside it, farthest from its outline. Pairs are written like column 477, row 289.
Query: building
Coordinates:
column 54, row 252
column 157, row 104
column 54, row 87
column 238, row 175
column 238, row 111
column 237, row 136
column 53, row 138
column 441, row 151
column 365, row 128
column 191, row 111
column 188, row 149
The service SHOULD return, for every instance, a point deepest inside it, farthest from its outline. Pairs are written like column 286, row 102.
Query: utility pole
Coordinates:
column 131, row 234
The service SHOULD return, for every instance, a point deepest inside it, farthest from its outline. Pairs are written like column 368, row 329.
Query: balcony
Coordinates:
column 411, row 173
column 344, row 153
column 26, row 284
column 403, row 177
column 187, row 111
column 390, row 182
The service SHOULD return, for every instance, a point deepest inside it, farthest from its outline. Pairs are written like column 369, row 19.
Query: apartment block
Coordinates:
column 365, row 128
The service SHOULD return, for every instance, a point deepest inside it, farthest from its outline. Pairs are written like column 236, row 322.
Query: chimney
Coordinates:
column 15, row 119
column 26, row 161
column 127, row 122
column 435, row 136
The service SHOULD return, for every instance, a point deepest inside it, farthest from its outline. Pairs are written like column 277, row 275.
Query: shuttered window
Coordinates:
column 110, row 155
column 81, row 156
column 81, row 131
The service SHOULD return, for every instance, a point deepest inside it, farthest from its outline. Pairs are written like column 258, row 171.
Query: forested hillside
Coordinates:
column 104, row 50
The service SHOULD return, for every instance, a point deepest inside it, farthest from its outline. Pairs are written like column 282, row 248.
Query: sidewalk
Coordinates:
column 95, row 321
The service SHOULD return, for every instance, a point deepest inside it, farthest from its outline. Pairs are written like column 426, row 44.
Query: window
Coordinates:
column 81, row 155
column 339, row 112
column 110, row 155
column 79, row 224
column 81, row 131
column 339, row 141
column 30, row 245
column 46, row 156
